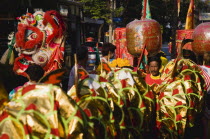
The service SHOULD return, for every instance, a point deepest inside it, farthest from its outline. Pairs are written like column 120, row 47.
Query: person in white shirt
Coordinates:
column 82, row 57
column 108, row 52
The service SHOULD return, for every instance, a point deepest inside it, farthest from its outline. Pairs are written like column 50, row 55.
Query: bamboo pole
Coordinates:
column 141, row 56
column 174, row 28
column 76, row 74
column 145, row 9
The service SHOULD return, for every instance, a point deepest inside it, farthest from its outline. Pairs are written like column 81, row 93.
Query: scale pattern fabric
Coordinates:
column 180, row 99
column 121, row 100
column 43, row 111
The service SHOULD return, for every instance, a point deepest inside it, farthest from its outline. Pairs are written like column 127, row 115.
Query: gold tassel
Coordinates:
column 76, row 73
column 4, row 57
column 12, row 58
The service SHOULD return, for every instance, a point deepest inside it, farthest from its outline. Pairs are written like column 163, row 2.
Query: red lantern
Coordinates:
column 201, row 37
column 143, row 32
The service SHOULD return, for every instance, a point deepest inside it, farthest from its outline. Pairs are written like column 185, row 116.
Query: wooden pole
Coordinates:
column 76, row 74
column 141, row 57
column 174, row 28
column 145, row 9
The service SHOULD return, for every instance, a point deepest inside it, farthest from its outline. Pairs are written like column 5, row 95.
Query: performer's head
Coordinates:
column 188, row 54
column 82, row 55
column 154, row 65
column 206, row 58
column 108, row 49
column 35, row 72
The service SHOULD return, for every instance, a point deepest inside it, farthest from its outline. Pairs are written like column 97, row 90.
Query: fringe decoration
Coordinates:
column 58, row 28
column 8, row 57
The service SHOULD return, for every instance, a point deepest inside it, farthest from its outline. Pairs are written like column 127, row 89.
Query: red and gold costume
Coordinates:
column 42, row 111
column 150, row 79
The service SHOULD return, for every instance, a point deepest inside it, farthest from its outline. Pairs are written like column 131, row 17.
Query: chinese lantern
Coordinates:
column 143, row 32
column 201, row 38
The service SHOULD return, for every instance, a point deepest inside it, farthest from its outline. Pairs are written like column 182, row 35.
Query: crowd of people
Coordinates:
column 90, row 86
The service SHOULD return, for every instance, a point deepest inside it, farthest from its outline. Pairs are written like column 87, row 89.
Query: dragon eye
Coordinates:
column 33, row 36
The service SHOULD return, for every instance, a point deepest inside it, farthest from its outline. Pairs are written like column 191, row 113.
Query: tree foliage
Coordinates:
column 161, row 10
column 100, row 9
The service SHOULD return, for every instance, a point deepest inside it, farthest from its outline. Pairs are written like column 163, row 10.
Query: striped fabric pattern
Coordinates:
column 206, row 74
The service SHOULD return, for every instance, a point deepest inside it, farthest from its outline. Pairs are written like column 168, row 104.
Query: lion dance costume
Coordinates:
column 39, row 39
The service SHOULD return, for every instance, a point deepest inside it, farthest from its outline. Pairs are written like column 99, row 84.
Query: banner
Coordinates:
column 148, row 13
column 190, row 16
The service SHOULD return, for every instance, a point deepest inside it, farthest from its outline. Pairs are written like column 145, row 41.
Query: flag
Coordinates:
column 190, row 16
column 146, row 11
column 178, row 6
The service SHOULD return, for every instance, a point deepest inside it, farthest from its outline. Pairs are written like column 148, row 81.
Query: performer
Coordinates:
column 40, row 111
column 34, row 74
column 82, row 57
column 206, row 73
column 108, row 52
column 154, row 74
column 163, row 59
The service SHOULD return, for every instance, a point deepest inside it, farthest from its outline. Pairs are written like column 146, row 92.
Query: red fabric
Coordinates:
column 3, row 116
column 55, row 131
column 18, row 65
column 28, row 129
column 4, row 136
column 151, row 81
column 58, row 29
column 28, row 88
column 31, row 107
column 150, row 95
column 21, row 38
column 206, row 66
column 187, row 34
column 206, row 76
column 56, row 105
column 55, row 60
column 121, row 45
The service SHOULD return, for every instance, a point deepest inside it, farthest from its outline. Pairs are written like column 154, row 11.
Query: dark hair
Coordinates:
column 188, row 54
column 106, row 47
column 35, row 72
column 154, row 58
column 161, row 53
column 82, row 52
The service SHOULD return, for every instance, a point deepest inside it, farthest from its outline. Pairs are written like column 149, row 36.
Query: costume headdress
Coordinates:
column 39, row 40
